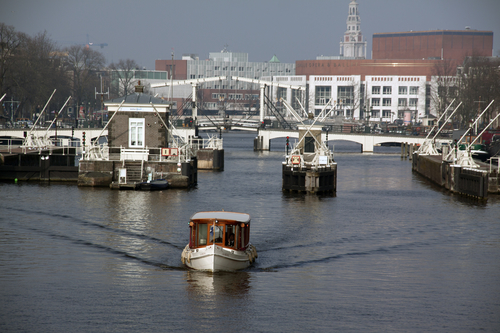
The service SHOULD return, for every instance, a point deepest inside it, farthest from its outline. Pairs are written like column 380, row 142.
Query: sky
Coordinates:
column 292, row 30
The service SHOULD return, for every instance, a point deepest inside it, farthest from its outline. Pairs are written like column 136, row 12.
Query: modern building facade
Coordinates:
column 227, row 64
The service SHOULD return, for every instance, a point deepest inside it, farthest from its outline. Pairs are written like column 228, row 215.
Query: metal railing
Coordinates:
column 183, row 151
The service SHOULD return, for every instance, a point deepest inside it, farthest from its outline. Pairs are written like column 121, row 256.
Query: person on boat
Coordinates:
column 230, row 241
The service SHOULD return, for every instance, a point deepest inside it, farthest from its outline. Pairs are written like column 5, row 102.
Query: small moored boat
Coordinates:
column 154, row 185
column 219, row 241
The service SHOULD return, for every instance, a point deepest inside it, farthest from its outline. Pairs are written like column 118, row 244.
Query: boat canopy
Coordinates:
column 229, row 216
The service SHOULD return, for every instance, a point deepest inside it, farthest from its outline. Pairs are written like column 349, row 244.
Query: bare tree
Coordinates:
column 479, row 82
column 11, row 44
column 84, row 63
column 123, row 72
column 44, row 73
column 445, row 87
column 31, row 70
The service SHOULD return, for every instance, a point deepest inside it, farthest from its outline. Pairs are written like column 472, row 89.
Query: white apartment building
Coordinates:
column 395, row 97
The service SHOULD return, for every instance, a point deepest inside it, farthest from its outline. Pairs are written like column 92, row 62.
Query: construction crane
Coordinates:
column 89, row 44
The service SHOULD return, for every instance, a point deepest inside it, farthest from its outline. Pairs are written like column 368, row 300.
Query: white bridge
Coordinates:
column 367, row 141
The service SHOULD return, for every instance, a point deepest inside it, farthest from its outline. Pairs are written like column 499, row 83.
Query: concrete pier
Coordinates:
column 112, row 174
column 310, row 168
column 210, row 159
column 323, row 180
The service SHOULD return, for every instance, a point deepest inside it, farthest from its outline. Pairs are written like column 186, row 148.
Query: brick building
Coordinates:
column 453, row 45
column 136, row 125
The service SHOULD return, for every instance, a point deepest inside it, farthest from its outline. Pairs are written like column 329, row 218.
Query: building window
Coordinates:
column 375, row 101
column 387, row 90
column 413, row 101
column 402, row 102
column 386, row 113
column 241, row 69
column 218, row 96
column 136, row 132
column 235, row 96
column 376, row 90
column 386, row 102
column 296, row 94
column 413, row 90
column 281, row 93
column 403, row 90
column 323, row 95
column 375, row 113
column 346, row 95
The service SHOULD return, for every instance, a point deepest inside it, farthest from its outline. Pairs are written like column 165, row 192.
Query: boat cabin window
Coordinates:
column 202, row 234
column 230, row 235
column 216, row 233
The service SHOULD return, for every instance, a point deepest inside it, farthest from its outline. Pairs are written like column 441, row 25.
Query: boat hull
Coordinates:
column 154, row 185
column 215, row 258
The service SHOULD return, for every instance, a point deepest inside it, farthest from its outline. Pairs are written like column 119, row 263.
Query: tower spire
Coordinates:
column 352, row 45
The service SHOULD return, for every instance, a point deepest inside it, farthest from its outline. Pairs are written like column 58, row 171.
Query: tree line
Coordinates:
column 31, row 67
column 474, row 83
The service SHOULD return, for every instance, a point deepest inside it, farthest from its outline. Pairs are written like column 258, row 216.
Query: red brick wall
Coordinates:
column 154, row 132
column 455, row 45
column 180, row 68
column 366, row 67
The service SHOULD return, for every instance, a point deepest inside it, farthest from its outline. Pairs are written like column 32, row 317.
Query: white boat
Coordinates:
column 219, row 241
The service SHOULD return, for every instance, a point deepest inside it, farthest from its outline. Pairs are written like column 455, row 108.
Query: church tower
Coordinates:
column 352, row 45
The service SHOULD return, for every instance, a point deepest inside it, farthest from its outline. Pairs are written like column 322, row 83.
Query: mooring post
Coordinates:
column 411, row 151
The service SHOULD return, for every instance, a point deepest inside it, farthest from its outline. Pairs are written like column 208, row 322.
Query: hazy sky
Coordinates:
column 147, row 30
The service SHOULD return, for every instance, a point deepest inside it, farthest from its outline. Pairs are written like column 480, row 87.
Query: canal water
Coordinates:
column 389, row 253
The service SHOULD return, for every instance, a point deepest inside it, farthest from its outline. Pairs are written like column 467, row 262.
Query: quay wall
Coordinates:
column 103, row 173
column 474, row 182
column 430, row 167
column 45, row 165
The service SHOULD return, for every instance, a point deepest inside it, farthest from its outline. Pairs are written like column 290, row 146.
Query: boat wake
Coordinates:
column 132, row 246
column 330, row 258
column 103, row 227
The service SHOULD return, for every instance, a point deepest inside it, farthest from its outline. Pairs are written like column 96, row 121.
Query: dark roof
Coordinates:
column 138, row 98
